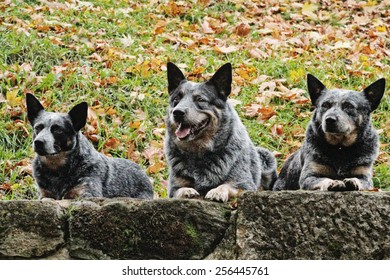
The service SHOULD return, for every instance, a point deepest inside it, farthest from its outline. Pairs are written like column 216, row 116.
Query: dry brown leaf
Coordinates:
column 206, row 27
column 243, row 29
column 225, row 50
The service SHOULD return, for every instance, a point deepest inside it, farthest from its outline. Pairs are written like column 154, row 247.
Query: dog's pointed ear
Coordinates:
column 175, row 76
column 374, row 93
column 34, row 107
column 315, row 88
column 78, row 114
column 222, row 80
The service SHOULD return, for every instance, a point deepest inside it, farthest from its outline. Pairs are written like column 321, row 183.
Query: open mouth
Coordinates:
column 185, row 131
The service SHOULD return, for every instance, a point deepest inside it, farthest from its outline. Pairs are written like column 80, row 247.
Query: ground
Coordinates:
column 113, row 55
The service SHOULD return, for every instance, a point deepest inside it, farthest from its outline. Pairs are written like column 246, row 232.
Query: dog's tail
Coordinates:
column 268, row 169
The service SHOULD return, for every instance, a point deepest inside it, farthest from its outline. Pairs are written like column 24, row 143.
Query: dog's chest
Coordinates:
column 56, row 181
column 206, row 171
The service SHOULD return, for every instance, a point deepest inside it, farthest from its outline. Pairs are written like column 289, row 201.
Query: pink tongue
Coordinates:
column 182, row 132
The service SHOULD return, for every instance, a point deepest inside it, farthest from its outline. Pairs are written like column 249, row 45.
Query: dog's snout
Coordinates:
column 39, row 145
column 178, row 114
column 331, row 120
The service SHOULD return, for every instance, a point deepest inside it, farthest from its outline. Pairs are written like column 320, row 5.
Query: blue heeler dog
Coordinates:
column 67, row 166
column 207, row 147
column 341, row 144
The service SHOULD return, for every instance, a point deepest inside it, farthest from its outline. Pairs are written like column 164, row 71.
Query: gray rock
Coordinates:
column 30, row 229
column 266, row 225
column 156, row 229
column 227, row 248
column 313, row 225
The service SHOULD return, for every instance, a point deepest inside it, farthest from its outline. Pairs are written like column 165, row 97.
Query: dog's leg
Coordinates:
column 268, row 168
column 326, row 184
column 186, row 193
column 358, row 184
column 316, row 176
column 222, row 193
column 180, row 187
column 91, row 188
column 43, row 193
column 360, row 178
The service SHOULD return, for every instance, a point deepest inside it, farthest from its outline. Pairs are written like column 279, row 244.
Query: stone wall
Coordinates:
column 265, row 225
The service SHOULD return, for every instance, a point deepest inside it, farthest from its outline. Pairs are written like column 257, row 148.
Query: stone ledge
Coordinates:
column 314, row 225
column 266, row 225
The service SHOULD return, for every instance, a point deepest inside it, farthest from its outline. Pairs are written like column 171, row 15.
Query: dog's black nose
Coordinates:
column 178, row 114
column 39, row 145
column 331, row 120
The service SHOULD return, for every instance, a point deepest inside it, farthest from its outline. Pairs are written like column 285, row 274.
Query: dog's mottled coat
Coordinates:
column 341, row 144
column 207, row 147
column 67, row 166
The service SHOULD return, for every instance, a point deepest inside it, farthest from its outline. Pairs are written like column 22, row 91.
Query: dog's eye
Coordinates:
column 56, row 129
column 176, row 100
column 347, row 105
column 326, row 105
column 200, row 99
column 38, row 128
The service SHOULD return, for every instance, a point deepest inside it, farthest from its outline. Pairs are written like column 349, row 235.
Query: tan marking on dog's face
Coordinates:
column 344, row 140
column 222, row 193
column 186, row 193
column 75, row 192
column 56, row 161
column 320, row 169
column 361, row 170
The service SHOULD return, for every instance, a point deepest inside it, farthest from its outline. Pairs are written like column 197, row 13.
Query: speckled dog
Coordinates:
column 67, row 166
column 208, row 149
column 341, row 144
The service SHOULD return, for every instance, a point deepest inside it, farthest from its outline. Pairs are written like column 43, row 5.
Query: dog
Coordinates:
column 208, row 149
column 341, row 144
column 67, row 166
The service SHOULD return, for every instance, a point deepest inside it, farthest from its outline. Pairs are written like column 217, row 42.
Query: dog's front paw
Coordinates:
column 221, row 193
column 353, row 184
column 337, row 186
column 187, row 193
column 44, row 199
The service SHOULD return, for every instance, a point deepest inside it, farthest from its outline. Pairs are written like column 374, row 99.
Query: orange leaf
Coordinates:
column 135, row 124
column 156, row 167
column 243, row 29
column 112, row 143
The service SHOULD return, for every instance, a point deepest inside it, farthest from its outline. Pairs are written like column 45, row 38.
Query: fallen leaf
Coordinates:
column 225, row 50
column 277, row 130
column 112, row 143
column 243, row 29
column 206, row 27
column 308, row 10
column 135, row 124
column 13, row 99
column 156, row 167
column 254, row 110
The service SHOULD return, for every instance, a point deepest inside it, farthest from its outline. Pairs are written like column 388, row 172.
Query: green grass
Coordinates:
column 112, row 54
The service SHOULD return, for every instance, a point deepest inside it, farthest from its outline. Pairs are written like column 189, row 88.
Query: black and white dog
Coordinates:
column 67, row 166
column 207, row 147
column 341, row 144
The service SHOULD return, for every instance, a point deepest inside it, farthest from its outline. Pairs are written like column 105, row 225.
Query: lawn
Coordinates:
column 113, row 55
